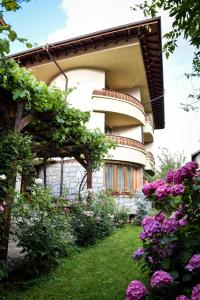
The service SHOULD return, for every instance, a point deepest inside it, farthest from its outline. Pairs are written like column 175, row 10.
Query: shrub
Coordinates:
column 95, row 218
column 171, row 240
column 141, row 209
column 44, row 231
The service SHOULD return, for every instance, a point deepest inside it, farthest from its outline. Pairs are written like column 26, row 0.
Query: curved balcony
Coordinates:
column 150, row 163
column 121, row 109
column 128, row 150
column 148, row 130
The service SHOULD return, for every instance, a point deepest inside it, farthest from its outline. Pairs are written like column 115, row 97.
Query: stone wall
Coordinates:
column 73, row 173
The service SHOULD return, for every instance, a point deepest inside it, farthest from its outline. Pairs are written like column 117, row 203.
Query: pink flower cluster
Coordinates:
column 173, row 184
column 159, row 224
column 196, row 292
column 160, row 278
column 194, row 263
column 182, row 297
column 135, row 291
column 138, row 253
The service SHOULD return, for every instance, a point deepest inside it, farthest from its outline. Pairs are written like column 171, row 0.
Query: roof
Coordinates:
column 149, row 34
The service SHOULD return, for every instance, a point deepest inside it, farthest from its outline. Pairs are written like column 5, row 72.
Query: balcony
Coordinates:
column 148, row 130
column 150, row 163
column 128, row 150
column 121, row 109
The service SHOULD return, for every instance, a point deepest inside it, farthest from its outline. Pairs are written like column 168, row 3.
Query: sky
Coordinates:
column 42, row 21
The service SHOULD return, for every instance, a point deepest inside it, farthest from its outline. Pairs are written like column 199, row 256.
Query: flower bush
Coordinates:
column 171, row 240
column 43, row 230
column 95, row 217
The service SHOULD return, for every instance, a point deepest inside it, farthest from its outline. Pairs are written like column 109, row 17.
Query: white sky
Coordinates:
column 182, row 130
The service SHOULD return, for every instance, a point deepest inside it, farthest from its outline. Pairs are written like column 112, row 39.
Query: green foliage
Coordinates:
column 6, row 30
column 141, row 210
column 186, row 19
column 43, row 230
column 167, row 161
column 96, row 218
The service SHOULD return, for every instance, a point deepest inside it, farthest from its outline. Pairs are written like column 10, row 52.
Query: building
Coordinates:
column 118, row 77
column 196, row 156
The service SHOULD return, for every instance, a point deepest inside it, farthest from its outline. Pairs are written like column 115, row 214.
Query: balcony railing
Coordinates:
column 119, row 96
column 149, row 119
column 150, row 156
column 127, row 142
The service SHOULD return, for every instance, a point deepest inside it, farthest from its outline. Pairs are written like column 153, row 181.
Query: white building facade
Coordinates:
column 116, row 75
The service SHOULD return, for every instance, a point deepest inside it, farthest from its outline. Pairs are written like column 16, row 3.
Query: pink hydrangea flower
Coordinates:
column 136, row 290
column 196, row 292
column 1, row 208
column 194, row 263
column 150, row 188
column 160, row 278
column 182, row 297
column 177, row 189
column 177, row 214
column 170, row 176
column 150, row 228
column 192, row 165
column 169, row 225
column 163, row 191
column 160, row 217
column 138, row 253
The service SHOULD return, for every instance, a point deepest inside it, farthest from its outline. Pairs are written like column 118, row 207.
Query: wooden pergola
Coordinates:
column 15, row 117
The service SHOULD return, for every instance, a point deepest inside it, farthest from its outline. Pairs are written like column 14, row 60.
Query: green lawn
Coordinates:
column 96, row 273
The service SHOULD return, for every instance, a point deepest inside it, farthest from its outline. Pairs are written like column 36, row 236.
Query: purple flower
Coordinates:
column 138, row 253
column 177, row 214
column 1, row 208
column 160, row 278
column 160, row 217
column 150, row 188
column 177, row 189
column 169, row 225
column 135, row 291
column 150, row 228
column 192, row 165
column 146, row 220
column 194, row 263
column 178, row 176
column 170, row 176
column 163, row 191
column 182, row 297
column 169, row 249
column 182, row 222
column 196, row 292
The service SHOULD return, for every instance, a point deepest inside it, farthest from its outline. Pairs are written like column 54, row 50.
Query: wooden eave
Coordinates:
column 149, row 34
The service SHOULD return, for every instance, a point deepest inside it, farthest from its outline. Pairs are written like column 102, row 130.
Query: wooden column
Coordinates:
column 89, row 175
column 45, row 172
column 61, row 176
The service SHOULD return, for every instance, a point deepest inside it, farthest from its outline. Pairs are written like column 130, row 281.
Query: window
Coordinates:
column 122, row 178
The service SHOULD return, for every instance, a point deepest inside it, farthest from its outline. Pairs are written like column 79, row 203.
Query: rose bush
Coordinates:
column 171, row 239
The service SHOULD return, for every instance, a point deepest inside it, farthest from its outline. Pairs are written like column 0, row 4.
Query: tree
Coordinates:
column 186, row 23
column 7, row 34
column 168, row 161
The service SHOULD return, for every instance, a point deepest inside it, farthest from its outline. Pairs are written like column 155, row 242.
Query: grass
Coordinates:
column 101, row 272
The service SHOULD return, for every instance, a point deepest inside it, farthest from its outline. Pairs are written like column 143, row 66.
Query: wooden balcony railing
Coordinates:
column 150, row 156
column 119, row 96
column 127, row 141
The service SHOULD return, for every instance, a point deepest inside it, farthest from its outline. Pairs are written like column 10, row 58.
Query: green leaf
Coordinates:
column 187, row 277
column 29, row 45
column 174, row 274
column 12, row 35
